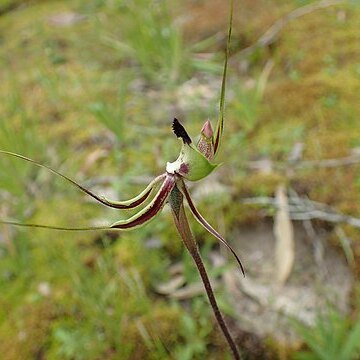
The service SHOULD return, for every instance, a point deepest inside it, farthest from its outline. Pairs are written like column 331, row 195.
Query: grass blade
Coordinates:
column 220, row 124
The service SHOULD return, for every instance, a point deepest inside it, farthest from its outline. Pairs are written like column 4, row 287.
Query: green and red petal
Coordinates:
column 127, row 204
column 152, row 209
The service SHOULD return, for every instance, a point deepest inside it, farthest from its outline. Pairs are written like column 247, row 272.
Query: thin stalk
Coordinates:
column 182, row 225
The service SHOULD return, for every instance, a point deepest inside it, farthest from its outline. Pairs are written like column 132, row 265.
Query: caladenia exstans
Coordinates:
column 194, row 163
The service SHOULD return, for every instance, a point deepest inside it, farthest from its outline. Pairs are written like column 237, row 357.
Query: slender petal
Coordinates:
column 220, row 124
column 90, row 228
column 182, row 225
column 127, row 204
column 141, row 218
column 151, row 210
column 205, row 224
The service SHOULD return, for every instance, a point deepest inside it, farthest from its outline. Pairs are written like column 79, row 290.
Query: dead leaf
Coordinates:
column 284, row 237
column 192, row 290
column 263, row 166
column 92, row 158
column 65, row 19
column 171, row 286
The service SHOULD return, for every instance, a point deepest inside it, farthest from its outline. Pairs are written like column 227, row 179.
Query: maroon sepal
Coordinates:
column 206, row 225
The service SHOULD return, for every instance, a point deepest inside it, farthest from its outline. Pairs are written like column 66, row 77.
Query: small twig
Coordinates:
column 316, row 241
column 272, row 33
column 304, row 209
column 318, row 248
column 346, row 245
column 306, row 164
column 329, row 163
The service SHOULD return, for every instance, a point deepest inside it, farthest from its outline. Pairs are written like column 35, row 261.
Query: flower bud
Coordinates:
column 206, row 144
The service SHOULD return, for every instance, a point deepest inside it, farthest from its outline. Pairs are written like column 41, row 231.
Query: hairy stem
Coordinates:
column 182, row 225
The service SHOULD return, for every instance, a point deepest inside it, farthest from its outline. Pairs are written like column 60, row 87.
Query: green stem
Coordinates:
column 182, row 225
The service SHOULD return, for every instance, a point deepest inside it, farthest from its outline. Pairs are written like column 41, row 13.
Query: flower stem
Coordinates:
column 182, row 225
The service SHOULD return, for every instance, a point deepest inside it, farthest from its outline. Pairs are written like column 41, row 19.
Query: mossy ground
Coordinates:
column 72, row 87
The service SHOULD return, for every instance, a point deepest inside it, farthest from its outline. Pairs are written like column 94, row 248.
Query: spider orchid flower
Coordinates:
column 194, row 163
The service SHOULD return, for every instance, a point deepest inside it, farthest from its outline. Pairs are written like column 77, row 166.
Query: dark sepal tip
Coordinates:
column 180, row 132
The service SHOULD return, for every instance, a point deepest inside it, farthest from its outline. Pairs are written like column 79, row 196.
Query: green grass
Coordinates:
column 18, row 134
column 333, row 337
column 152, row 39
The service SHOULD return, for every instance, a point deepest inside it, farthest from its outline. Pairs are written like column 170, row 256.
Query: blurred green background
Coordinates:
column 90, row 88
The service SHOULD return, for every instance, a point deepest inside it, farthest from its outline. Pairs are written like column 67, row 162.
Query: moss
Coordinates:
column 64, row 209
column 327, row 80
column 132, row 254
column 259, row 184
column 251, row 19
column 154, row 332
column 25, row 333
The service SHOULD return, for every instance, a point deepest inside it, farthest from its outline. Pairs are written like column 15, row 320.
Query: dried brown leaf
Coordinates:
column 284, row 237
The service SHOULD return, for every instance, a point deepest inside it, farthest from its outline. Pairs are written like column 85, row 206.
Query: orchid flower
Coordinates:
column 194, row 163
